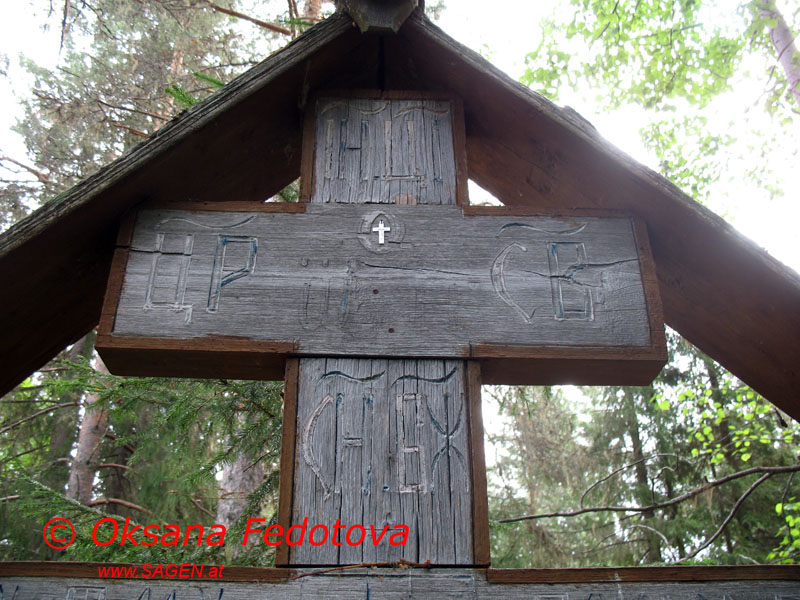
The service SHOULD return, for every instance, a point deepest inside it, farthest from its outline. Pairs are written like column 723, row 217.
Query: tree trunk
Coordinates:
column 64, row 425
column 90, row 436
column 653, row 553
column 240, row 478
column 783, row 41
column 312, row 10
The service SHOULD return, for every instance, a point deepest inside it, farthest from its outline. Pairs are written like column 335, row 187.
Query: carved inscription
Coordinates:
column 86, row 593
column 384, row 442
column 411, row 474
column 571, row 300
column 438, row 283
column 390, row 151
column 227, row 269
column 166, row 283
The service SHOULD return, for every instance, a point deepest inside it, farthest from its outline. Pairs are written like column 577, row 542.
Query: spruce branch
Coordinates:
column 133, row 110
column 129, row 129
column 42, row 177
column 124, row 503
column 202, row 508
column 38, row 413
column 112, row 436
column 238, row 15
column 114, row 466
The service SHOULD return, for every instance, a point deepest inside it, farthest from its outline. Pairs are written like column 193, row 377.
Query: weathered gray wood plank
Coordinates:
column 383, row 443
column 440, row 282
column 384, row 151
column 385, row 584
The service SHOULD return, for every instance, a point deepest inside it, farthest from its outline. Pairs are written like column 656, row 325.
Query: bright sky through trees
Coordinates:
column 505, row 32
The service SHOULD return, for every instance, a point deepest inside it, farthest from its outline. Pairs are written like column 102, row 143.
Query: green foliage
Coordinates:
column 184, row 98
column 212, row 81
column 171, row 436
column 126, row 67
column 697, row 423
column 180, row 95
column 679, row 62
column 693, row 168
column 637, row 447
column 647, row 52
column 291, row 193
column 788, row 550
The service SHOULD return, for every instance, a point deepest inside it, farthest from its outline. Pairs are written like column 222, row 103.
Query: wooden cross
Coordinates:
column 383, row 343
column 381, row 229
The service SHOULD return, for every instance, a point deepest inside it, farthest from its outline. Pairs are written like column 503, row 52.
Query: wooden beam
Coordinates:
column 367, row 113
column 286, row 482
column 383, row 445
column 480, row 497
column 29, row 581
column 651, row 574
column 550, row 291
column 386, row 16
column 791, row 573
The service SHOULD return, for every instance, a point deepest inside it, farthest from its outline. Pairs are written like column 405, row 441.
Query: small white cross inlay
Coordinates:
column 381, row 229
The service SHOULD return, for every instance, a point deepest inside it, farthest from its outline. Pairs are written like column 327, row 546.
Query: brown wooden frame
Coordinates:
column 477, row 464
column 459, row 134
column 522, row 365
column 480, row 494
column 244, row 358
column 289, row 427
column 161, row 357
column 88, row 570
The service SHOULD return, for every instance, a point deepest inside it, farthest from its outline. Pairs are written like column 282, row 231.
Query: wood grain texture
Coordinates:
column 379, row 17
column 224, row 357
column 74, row 570
column 384, row 147
column 442, row 284
column 634, row 574
column 386, row 584
column 116, row 278
column 286, row 482
column 230, row 206
column 383, row 443
column 480, row 498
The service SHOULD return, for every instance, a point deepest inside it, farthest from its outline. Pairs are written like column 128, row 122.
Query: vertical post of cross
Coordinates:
column 373, row 442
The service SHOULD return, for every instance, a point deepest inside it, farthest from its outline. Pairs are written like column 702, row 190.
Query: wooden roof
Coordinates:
column 720, row 291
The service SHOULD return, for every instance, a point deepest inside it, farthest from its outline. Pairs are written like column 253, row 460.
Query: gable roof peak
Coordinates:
column 379, row 16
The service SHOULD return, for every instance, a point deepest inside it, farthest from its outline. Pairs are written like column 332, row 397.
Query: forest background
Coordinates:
column 695, row 468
